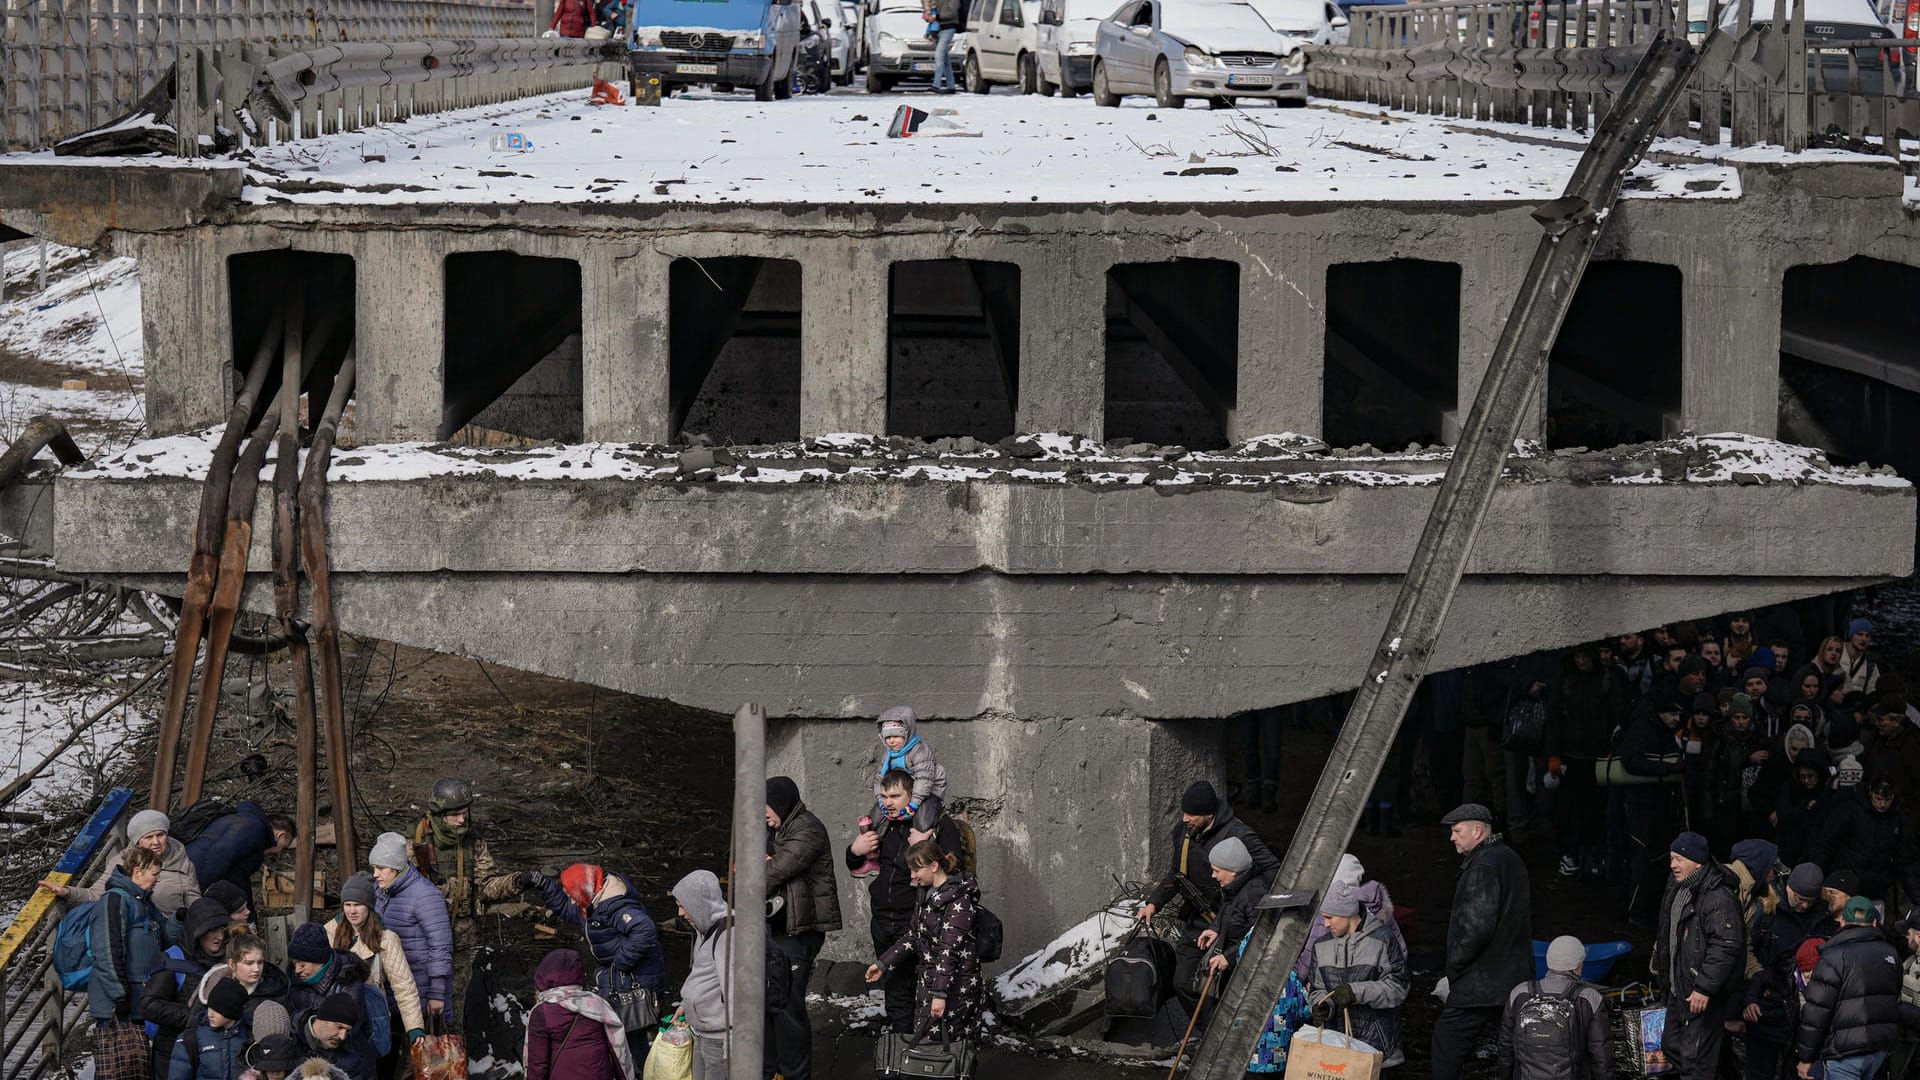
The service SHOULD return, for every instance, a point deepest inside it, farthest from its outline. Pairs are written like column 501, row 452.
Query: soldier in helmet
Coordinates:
column 446, row 851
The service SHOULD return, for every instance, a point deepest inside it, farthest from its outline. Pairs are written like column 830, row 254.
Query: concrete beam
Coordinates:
column 80, row 203
column 843, row 342
column 1063, row 341
column 624, row 346
column 186, row 319
column 1283, row 319
column 400, row 291
column 1489, row 283
column 1730, row 346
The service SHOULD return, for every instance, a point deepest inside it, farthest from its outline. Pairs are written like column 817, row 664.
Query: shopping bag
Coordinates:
column 1646, row 1032
column 121, row 1051
column 440, row 1055
column 1321, row 1054
column 671, row 1057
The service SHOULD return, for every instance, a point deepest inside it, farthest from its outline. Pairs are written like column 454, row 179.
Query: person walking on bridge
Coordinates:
column 1206, row 820
column 1489, row 938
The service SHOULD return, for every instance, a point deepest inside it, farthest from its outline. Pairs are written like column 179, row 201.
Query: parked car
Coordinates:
column 830, row 23
column 720, row 43
column 1316, row 22
column 1220, row 50
column 813, row 62
column 1828, row 20
column 898, row 48
column 1066, row 35
column 1002, row 46
column 853, row 15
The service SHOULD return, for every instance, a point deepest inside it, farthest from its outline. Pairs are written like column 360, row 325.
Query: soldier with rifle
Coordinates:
column 1205, row 820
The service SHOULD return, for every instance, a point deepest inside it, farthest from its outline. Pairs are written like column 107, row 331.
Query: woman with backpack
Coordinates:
column 125, row 937
column 358, row 929
column 572, row 1033
column 168, row 1001
column 174, row 890
column 942, row 937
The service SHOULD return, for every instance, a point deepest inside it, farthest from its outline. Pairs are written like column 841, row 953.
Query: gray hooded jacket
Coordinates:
column 704, row 995
column 1374, row 962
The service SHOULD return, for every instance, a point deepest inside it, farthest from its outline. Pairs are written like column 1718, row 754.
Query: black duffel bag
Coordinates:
column 1140, row 979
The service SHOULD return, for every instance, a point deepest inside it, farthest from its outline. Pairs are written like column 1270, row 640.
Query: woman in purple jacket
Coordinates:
column 414, row 911
column 572, row 1033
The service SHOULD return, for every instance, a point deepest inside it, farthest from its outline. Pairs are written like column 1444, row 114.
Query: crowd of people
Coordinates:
column 180, row 986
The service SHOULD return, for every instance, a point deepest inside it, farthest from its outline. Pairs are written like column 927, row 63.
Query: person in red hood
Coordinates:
column 572, row 1033
column 572, row 17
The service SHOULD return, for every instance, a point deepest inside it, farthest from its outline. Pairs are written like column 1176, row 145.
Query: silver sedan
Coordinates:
column 1175, row 49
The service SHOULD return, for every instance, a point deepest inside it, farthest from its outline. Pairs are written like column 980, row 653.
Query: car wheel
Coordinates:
column 877, row 84
column 1041, row 85
column 1222, row 102
column 1103, row 95
column 783, row 88
column 1163, row 94
column 766, row 89
column 976, row 84
column 1029, row 75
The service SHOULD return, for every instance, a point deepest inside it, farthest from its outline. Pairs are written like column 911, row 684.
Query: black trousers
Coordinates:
column 1457, row 1033
column 789, row 1033
column 1186, row 964
column 900, row 980
column 1579, row 809
column 1763, row 1057
column 1693, row 1045
column 1650, row 824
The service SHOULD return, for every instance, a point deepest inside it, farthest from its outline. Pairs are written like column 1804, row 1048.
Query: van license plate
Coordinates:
column 923, row 67
column 1250, row 80
column 696, row 69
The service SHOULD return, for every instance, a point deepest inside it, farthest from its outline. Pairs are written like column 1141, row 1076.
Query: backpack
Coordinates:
column 988, row 934
column 969, row 853
column 187, row 826
column 73, row 942
column 379, row 1019
column 174, row 952
column 1549, row 1032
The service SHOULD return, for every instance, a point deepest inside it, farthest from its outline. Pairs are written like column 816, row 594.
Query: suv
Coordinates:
column 1002, row 45
column 720, row 43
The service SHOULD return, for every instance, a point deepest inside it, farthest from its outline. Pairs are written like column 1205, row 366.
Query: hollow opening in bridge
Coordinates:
column 953, row 348
column 1614, row 374
column 261, row 282
column 1850, row 384
column 1173, row 351
column 734, row 330
column 1392, row 374
column 513, row 350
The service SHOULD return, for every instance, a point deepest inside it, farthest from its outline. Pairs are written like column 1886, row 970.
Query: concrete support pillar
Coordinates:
column 186, row 316
column 1037, row 789
column 1283, row 328
column 1489, row 283
column 1730, row 346
column 1063, row 341
column 624, row 347
column 843, row 342
column 400, row 293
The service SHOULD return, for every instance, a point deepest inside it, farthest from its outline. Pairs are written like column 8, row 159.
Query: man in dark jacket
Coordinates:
column 1850, row 1019
column 1699, row 955
column 1551, row 1020
column 800, row 875
column 333, row 1031
column 234, row 847
column 1206, row 819
column 1584, row 706
column 1869, row 835
column 168, row 998
column 1768, row 1007
column 1652, row 748
column 1489, row 938
column 892, row 891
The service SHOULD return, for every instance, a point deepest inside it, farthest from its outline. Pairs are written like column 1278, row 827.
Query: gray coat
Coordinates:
column 1595, row 1063
column 704, row 995
column 1374, row 963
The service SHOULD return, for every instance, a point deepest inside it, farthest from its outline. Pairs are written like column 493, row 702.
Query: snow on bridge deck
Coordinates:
column 727, row 149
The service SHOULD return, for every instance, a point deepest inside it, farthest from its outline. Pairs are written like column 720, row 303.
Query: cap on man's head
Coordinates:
column 274, row 1053
column 1200, row 800
column 1692, row 847
column 1341, row 901
column 231, row 896
column 339, row 1008
column 1860, row 626
column 1472, row 811
column 1807, row 879
column 1844, row 882
column 1911, row 922
column 1566, row 955
column 1858, row 912
column 1740, row 705
column 1695, row 665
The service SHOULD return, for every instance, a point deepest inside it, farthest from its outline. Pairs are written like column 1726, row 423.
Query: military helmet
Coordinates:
column 450, row 793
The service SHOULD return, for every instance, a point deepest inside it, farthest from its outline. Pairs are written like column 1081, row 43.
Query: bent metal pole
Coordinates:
column 746, row 1030
column 1508, row 393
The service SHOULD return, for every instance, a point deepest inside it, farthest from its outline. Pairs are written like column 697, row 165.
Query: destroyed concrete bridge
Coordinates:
column 1031, row 431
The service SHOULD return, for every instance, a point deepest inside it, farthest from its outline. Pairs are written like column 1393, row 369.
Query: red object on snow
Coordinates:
column 605, row 93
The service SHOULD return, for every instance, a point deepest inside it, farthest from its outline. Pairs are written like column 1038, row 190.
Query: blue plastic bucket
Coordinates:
column 1599, row 960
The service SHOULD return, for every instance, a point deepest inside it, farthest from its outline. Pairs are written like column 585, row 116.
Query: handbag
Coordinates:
column 1646, row 1031
column 898, row 1057
column 1525, row 731
column 1140, row 979
column 121, row 1051
column 637, row 1007
column 441, row 1056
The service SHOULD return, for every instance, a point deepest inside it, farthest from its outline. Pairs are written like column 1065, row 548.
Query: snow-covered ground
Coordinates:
column 728, row 149
column 83, row 332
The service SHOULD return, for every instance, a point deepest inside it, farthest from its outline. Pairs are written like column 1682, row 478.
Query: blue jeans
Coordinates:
column 943, row 59
column 1859, row 1067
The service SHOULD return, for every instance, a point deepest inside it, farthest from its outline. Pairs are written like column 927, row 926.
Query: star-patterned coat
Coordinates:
column 942, row 938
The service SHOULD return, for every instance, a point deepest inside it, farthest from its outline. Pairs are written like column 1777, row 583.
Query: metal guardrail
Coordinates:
column 39, row 1016
column 67, row 66
column 1558, row 64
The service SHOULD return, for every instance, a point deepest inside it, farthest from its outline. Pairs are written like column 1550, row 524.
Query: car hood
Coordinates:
column 1220, row 41
column 1080, row 30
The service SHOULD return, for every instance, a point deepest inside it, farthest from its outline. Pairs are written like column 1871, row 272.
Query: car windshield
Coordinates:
column 1076, row 10
column 1239, row 20
column 1292, row 14
column 900, row 22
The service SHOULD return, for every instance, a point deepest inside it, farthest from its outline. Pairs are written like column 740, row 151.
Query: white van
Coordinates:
column 1002, row 46
column 1066, row 44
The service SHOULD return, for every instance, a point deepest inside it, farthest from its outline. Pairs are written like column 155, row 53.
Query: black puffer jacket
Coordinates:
column 1584, row 708
column 1776, row 938
column 1878, row 847
column 1852, row 1004
column 1239, row 909
column 1490, row 933
column 1701, row 944
column 1197, row 852
column 801, row 870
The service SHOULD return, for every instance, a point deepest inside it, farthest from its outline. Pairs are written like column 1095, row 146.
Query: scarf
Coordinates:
column 591, row 1006
column 450, row 846
column 897, row 759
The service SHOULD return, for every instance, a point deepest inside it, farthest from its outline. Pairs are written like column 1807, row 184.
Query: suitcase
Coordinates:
column 1140, row 979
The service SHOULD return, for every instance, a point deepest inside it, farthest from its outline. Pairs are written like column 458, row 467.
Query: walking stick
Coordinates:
column 1197, row 1006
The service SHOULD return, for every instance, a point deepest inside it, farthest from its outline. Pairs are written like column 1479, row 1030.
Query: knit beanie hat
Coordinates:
column 229, row 999
column 270, row 1018
column 359, row 889
column 339, row 1008
column 389, row 851
column 1740, row 705
column 782, row 795
column 144, row 822
column 231, row 896
column 1199, row 799
column 1706, row 703
column 1860, row 626
column 273, row 1053
column 1692, row 847
column 1231, row 854
column 309, row 943
column 1847, row 772
column 896, row 721
column 1807, row 880
column 1566, row 955
column 1340, row 901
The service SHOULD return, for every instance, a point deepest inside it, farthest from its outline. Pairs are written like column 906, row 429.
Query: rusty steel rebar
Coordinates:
column 203, row 569
column 326, row 634
column 286, row 603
